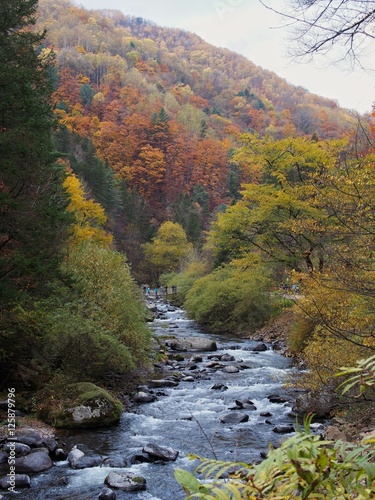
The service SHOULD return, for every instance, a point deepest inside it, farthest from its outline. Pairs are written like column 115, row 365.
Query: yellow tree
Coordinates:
column 168, row 248
column 89, row 216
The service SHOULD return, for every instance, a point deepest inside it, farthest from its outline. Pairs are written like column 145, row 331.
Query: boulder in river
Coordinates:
column 219, row 387
column 74, row 455
column 84, row 405
column 126, row 481
column 231, row 369
column 34, row 462
column 143, row 397
column 117, row 461
column 260, row 347
column 283, row 429
column 227, row 357
column 81, row 457
column 16, row 481
column 157, row 452
column 246, row 404
column 234, row 418
column 107, row 494
column 192, row 344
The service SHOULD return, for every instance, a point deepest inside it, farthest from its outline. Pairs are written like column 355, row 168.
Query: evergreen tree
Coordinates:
column 32, row 200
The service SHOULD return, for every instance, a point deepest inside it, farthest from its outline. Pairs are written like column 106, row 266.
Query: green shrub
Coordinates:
column 231, row 298
column 90, row 326
column 193, row 269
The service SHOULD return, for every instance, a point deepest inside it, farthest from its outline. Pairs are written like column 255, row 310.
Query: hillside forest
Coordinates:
column 133, row 154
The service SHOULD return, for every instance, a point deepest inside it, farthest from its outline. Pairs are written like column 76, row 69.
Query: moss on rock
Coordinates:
column 81, row 404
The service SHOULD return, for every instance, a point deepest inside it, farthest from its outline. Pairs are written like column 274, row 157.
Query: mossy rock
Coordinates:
column 81, row 405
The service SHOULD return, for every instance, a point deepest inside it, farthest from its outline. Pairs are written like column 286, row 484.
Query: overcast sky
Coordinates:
column 248, row 28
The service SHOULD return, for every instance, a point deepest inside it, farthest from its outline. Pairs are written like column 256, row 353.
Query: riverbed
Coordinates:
column 186, row 418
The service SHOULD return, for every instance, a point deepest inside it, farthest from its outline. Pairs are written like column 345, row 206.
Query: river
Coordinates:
column 185, row 417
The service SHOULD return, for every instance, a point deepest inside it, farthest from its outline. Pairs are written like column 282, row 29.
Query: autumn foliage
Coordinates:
column 165, row 109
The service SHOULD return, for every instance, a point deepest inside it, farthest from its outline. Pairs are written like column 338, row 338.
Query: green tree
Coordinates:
column 32, row 201
column 280, row 217
column 86, row 94
column 168, row 248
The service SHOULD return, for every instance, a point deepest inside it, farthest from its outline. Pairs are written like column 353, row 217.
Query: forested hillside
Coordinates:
column 163, row 110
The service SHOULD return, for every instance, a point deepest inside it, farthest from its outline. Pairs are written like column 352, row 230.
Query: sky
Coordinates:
column 250, row 29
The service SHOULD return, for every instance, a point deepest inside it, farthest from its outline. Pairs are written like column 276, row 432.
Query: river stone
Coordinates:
column 107, row 494
column 192, row 344
column 139, row 458
column 246, row 404
column 82, row 457
column 50, row 443
column 275, row 398
column 160, row 452
column 3, row 457
column 191, row 366
column 219, row 387
column 227, row 357
column 197, row 358
column 88, row 461
column 32, row 441
column 163, row 383
column 234, row 418
column 234, row 406
column 283, row 429
column 231, row 369
column 18, row 481
column 19, row 449
column 117, row 461
column 143, row 397
column 84, row 405
column 74, row 455
column 42, row 450
column 35, row 462
column 260, row 348
column 126, row 481
column 241, row 402
column 60, row 455
column 188, row 379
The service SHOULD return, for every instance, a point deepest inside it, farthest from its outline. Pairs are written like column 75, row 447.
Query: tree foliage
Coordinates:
column 163, row 108
column 308, row 217
column 168, row 248
column 89, row 216
column 32, row 202
column 231, row 298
